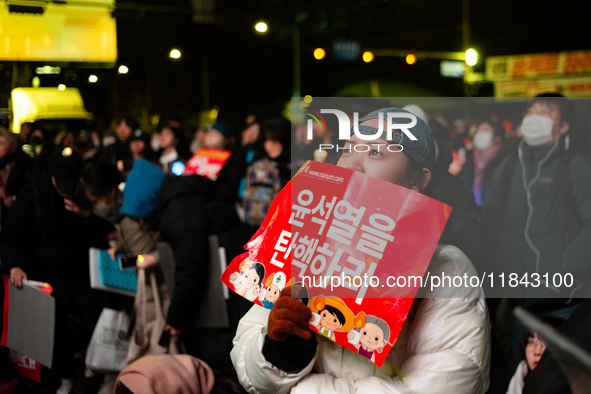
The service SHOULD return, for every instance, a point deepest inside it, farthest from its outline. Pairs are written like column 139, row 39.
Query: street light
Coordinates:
column 411, row 59
column 471, row 57
column 319, row 53
column 261, row 27
column 92, row 78
column 368, row 56
column 123, row 69
column 175, row 54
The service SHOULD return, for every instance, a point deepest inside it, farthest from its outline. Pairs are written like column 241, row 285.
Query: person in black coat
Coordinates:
column 118, row 153
column 188, row 211
column 44, row 240
column 548, row 377
column 482, row 161
column 15, row 172
column 182, row 222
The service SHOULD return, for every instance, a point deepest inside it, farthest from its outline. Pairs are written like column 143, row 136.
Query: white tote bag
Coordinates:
column 109, row 344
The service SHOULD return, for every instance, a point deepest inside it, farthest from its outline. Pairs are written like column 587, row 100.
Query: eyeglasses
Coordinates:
column 534, row 343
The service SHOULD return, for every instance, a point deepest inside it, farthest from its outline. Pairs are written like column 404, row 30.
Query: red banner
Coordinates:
column 516, row 67
column 332, row 224
column 25, row 366
column 207, row 162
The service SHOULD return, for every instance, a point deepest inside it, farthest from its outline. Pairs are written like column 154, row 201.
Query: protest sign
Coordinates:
column 25, row 366
column 30, row 335
column 333, row 229
column 207, row 162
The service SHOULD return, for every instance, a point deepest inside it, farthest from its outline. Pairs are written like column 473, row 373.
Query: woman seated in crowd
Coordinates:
column 444, row 343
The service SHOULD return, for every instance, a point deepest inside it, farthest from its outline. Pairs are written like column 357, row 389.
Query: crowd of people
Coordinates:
column 521, row 198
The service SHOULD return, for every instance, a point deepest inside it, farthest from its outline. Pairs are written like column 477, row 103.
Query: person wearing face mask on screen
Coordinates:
column 481, row 162
column 537, row 214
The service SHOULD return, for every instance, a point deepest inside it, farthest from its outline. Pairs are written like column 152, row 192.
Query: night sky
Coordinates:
column 248, row 70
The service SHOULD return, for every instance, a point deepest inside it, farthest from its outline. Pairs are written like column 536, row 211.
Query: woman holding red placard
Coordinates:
column 444, row 345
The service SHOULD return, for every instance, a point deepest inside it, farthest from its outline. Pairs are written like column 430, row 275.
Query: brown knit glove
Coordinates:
column 289, row 316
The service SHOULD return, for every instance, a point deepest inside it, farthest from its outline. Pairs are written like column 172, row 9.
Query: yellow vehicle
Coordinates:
column 55, row 108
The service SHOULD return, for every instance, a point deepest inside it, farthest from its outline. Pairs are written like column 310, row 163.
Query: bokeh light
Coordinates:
column 319, row 53
column 368, row 56
column 175, row 54
column 471, row 57
column 261, row 27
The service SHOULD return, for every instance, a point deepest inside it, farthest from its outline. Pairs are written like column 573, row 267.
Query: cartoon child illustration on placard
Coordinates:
column 330, row 314
column 251, row 275
column 275, row 283
column 253, row 293
column 372, row 336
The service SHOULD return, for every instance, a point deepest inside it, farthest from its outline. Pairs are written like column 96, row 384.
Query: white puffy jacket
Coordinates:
column 444, row 347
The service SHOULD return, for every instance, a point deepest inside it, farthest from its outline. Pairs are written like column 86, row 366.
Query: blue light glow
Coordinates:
column 178, row 168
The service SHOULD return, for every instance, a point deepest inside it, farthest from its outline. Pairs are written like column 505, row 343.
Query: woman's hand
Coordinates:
column 147, row 261
column 112, row 252
column 289, row 316
column 16, row 277
column 73, row 207
column 8, row 200
column 175, row 332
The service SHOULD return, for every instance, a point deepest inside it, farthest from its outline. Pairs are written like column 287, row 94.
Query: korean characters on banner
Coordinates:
column 207, row 162
column 340, row 234
column 347, row 228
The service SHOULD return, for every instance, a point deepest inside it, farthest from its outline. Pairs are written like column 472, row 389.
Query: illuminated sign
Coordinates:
column 84, row 32
column 48, row 70
column 507, row 68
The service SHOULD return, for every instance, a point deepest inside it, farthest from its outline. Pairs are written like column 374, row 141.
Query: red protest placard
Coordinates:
column 207, row 162
column 333, row 222
column 25, row 366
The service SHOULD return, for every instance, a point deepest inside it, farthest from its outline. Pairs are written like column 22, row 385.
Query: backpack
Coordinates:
column 565, row 189
column 262, row 185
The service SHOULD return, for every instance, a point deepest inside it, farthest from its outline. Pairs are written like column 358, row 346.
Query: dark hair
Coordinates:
column 334, row 311
column 278, row 130
column 259, row 269
column 564, row 106
column 101, row 178
column 551, row 321
column 131, row 123
column 271, row 131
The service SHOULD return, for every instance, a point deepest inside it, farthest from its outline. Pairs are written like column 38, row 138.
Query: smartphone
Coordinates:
column 164, row 339
column 129, row 261
column 64, row 195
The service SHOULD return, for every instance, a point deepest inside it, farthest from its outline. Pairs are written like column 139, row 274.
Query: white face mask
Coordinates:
column 102, row 209
column 108, row 140
column 537, row 130
column 155, row 144
column 482, row 140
